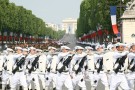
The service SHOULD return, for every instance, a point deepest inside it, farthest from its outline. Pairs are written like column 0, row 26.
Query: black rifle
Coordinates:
column 86, row 67
column 121, row 62
column 34, row 64
column 81, row 64
column 5, row 67
column 49, row 69
column 65, row 64
column 132, row 68
column 18, row 64
column 100, row 65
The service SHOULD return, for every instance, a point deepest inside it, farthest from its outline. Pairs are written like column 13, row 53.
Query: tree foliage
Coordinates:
column 97, row 12
column 18, row 20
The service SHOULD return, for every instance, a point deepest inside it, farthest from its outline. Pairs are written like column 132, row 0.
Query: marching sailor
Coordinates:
column 118, row 77
column 63, row 69
column 42, row 66
column 108, row 60
column 90, row 64
column 99, row 73
column 88, row 50
column 7, row 68
column 78, row 64
column 131, row 68
column 2, row 59
column 32, row 65
column 18, row 70
column 52, row 60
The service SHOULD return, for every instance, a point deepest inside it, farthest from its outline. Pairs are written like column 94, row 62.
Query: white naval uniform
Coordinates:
column 2, row 59
column 1, row 67
column 33, row 76
column 78, row 78
column 63, row 77
column 119, row 78
column 108, row 64
column 131, row 74
column 90, row 69
column 19, row 75
column 99, row 75
column 7, row 70
column 41, row 69
column 51, row 75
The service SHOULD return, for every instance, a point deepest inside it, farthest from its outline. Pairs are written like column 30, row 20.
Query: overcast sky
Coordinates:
column 52, row 11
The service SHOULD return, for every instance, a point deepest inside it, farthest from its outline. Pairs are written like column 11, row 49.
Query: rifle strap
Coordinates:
column 18, row 59
column 77, row 62
column 117, row 61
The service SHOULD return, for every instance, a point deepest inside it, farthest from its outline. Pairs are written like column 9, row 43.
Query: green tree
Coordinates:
column 96, row 12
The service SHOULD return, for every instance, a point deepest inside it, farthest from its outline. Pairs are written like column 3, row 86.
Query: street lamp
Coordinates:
column 119, row 22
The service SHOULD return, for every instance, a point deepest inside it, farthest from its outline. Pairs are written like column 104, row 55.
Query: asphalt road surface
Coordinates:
column 71, row 39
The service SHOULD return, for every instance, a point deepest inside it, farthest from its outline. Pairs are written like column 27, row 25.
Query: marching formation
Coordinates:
column 114, row 66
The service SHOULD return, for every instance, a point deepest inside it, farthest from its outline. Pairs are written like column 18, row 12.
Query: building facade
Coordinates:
column 128, row 23
column 55, row 27
column 69, row 25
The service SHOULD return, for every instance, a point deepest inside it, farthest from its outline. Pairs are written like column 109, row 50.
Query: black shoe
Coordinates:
column 0, row 79
column 20, row 88
column 54, row 88
column 8, row 86
column 0, row 86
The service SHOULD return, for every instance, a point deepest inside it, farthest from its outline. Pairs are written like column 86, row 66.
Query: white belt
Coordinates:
column 65, row 72
column 91, row 71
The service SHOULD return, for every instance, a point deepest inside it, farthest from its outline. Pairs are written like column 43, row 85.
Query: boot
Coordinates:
column 54, row 88
column 46, row 88
column 107, row 88
column 93, row 88
column 3, row 87
column 8, row 86
column 119, row 88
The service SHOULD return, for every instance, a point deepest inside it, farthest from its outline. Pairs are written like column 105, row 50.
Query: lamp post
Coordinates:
column 119, row 22
column 120, row 19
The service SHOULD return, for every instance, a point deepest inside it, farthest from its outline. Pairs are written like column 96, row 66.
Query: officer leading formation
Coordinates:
column 114, row 66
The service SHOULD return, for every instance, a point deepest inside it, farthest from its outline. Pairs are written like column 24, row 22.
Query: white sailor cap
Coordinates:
column 78, row 47
column 110, row 46
column 32, row 48
column 99, row 46
column 25, row 49
column 119, row 44
column 16, row 48
column 88, row 47
column 50, row 47
column 103, row 45
column 128, row 45
column 5, row 51
column 9, row 49
column 65, row 47
column 38, row 50
column 132, row 44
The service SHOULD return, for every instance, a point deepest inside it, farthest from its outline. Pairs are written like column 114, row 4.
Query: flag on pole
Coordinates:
column 113, row 19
